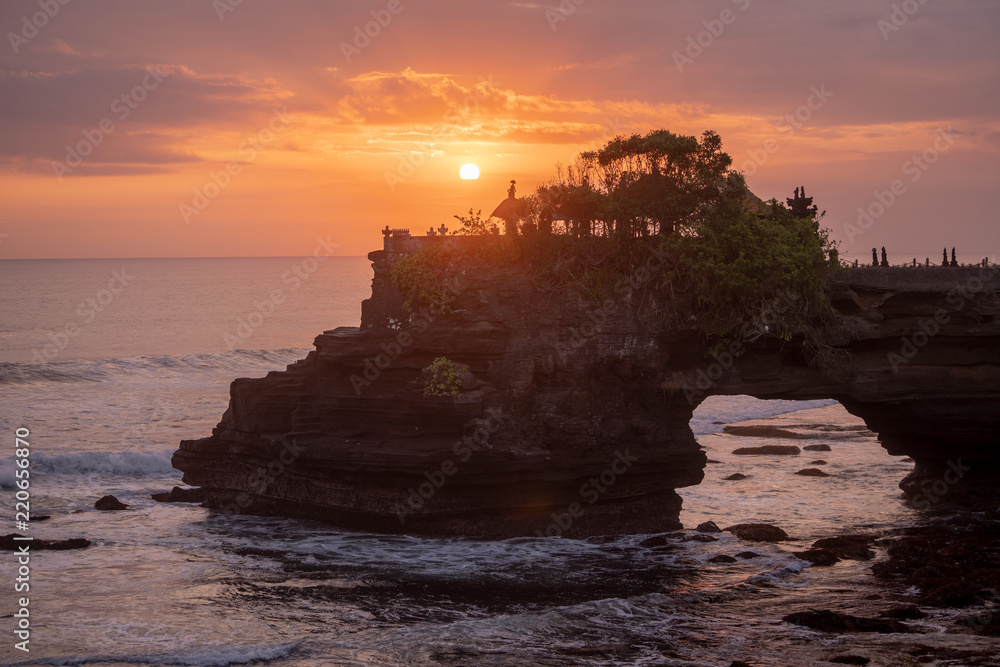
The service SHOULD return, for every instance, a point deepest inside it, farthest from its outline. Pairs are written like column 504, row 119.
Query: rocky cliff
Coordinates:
column 572, row 414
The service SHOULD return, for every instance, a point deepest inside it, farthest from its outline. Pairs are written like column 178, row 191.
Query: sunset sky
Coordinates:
column 330, row 132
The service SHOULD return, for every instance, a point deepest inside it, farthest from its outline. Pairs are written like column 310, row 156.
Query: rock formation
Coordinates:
column 572, row 418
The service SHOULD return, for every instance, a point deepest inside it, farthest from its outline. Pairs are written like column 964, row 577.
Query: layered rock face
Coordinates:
column 923, row 372
column 572, row 418
column 561, row 425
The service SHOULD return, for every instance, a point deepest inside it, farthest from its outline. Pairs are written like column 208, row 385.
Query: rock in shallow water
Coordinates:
column 722, row 558
column 762, row 431
column 179, row 495
column 768, row 450
column 907, row 613
column 110, row 503
column 701, row 538
column 848, row 547
column 831, row 621
column 817, row 556
column 708, row 527
column 757, row 532
column 8, row 543
column 812, row 472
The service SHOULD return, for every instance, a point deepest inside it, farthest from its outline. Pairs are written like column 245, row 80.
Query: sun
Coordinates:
column 469, row 172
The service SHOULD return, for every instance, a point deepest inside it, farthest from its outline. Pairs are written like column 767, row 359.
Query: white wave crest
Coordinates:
column 126, row 463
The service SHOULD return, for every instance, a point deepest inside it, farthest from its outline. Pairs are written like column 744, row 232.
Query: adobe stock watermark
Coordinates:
column 88, row 310
column 264, row 476
column 706, row 378
column 900, row 16
column 932, row 493
column 455, row 115
column 698, row 44
column 364, row 34
column 223, row 7
column 928, row 328
column 914, row 168
column 122, row 107
column 463, row 450
column 222, row 179
column 31, row 25
column 293, row 277
column 788, row 126
column 578, row 336
column 374, row 365
column 591, row 491
column 561, row 13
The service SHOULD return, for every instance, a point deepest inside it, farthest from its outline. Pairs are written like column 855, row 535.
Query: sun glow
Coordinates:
column 469, row 172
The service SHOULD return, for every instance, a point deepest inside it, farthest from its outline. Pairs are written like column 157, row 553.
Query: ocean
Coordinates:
column 110, row 363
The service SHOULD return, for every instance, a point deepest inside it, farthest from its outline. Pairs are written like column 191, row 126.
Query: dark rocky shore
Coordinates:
column 572, row 416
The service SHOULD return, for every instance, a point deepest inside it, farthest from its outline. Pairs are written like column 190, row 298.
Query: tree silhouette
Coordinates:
column 637, row 185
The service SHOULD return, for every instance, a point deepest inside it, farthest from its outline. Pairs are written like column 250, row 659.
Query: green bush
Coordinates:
column 443, row 378
column 420, row 277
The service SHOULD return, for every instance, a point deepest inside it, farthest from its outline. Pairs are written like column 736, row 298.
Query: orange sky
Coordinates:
column 328, row 133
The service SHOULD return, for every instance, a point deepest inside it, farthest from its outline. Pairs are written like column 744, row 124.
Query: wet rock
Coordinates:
column 712, row 461
column 7, row 543
column 757, row 532
column 41, row 517
column 708, row 527
column 848, row 547
column 986, row 624
column 735, row 477
column 817, row 462
column 850, row 660
column 109, row 503
column 739, row 663
column 812, row 472
column 722, row 558
column 660, row 540
column 817, row 448
column 831, row 621
column 817, row 556
column 951, row 593
column 762, row 431
column 906, row 613
column 701, row 538
column 747, row 555
column 179, row 495
column 768, row 450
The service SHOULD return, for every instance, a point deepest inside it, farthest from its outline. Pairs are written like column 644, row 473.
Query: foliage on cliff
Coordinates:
column 740, row 261
column 670, row 229
column 443, row 378
column 422, row 279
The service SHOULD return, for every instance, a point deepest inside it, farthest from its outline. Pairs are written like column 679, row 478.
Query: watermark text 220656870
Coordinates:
column 22, row 514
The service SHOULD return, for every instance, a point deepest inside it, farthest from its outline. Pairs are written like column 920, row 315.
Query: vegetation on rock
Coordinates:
column 743, row 267
column 443, row 378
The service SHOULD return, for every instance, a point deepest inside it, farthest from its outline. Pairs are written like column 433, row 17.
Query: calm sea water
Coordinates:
column 110, row 363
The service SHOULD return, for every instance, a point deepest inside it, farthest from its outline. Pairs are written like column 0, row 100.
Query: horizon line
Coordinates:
column 51, row 259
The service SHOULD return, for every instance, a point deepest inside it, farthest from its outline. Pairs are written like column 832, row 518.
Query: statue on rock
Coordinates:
column 944, row 258
column 874, row 257
column 885, row 260
column 954, row 262
column 801, row 205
